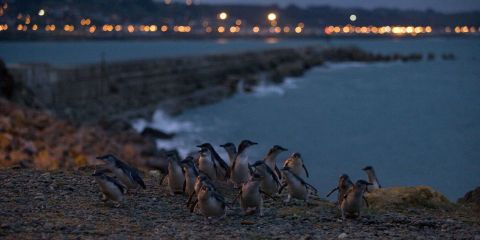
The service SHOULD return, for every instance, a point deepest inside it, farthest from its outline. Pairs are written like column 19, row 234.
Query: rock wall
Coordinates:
column 137, row 88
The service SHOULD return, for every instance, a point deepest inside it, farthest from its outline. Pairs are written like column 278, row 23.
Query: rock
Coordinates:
column 342, row 236
column 155, row 133
column 407, row 197
column 471, row 198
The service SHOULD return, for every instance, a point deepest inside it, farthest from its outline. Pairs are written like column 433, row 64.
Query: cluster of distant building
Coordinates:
column 66, row 20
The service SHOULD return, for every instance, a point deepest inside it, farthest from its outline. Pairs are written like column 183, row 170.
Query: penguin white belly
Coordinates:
column 240, row 173
column 211, row 207
column 352, row 204
column 111, row 190
column 124, row 179
column 190, row 184
column 206, row 166
column 269, row 185
column 251, row 197
column 175, row 180
column 297, row 190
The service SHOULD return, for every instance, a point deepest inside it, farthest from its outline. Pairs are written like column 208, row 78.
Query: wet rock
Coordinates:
column 155, row 133
column 471, row 198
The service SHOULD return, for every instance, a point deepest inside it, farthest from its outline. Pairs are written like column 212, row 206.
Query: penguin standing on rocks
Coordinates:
column 353, row 199
column 208, row 163
column 240, row 171
column 110, row 188
column 297, row 187
column 201, row 180
column 372, row 178
column 175, row 176
column 231, row 151
column 210, row 202
column 269, row 182
column 250, row 195
column 344, row 183
column 296, row 165
column 127, row 175
column 191, row 174
column 271, row 158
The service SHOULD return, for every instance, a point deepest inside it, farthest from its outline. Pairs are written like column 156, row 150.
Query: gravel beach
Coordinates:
column 66, row 204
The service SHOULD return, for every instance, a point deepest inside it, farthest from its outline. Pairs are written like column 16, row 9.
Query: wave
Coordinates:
column 266, row 89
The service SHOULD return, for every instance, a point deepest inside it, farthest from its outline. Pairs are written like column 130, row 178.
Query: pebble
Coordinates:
column 342, row 236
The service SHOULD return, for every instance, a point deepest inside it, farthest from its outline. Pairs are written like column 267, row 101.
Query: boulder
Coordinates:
column 471, row 198
column 155, row 133
column 407, row 197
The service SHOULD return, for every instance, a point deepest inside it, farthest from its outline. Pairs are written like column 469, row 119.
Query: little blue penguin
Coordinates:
column 250, row 196
column 127, row 175
column 211, row 203
column 372, row 178
column 110, row 188
column 296, row 165
column 353, row 199
column 240, row 171
column 175, row 176
column 269, row 182
column 223, row 171
column 344, row 183
column 191, row 173
column 271, row 158
column 231, row 151
column 297, row 187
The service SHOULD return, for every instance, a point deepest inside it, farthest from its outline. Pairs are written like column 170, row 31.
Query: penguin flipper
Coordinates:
column 268, row 195
column 333, row 190
column 162, row 179
column 278, row 172
column 281, row 188
column 306, row 171
column 366, row 202
column 190, row 198
column 236, row 197
column 192, row 208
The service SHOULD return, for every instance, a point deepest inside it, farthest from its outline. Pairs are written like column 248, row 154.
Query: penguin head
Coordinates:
column 205, row 145
column 245, row 144
column 109, row 158
column 362, row 184
column 344, row 177
column 367, row 168
column 276, row 149
column 286, row 169
column 188, row 161
column 230, row 147
column 296, row 155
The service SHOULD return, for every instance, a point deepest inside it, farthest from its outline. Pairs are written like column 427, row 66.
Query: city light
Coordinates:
column 353, row 17
column 238, row 22
column 223, row 16
column 272, row 16
column 164, row 28
column 298, row 29
column 92, row 29
column 221, row 29
column 256, row 29
column 41, row 12
column 286, row 29
column 35, row 27
column 130, row 28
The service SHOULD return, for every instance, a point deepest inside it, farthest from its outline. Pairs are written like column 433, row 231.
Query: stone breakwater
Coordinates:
column 89, row 93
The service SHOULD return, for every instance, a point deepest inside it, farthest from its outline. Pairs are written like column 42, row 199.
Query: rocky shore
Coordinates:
column 66, row 204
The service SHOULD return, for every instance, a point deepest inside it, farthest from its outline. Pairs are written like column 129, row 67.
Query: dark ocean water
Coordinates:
column 417, row 123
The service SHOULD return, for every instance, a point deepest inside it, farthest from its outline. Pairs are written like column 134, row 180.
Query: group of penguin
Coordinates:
column 197, row 177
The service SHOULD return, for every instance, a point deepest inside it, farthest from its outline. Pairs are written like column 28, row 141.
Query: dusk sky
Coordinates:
column 439, row 5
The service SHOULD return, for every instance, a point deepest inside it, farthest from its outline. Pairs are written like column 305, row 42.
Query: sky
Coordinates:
column 438, row 5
